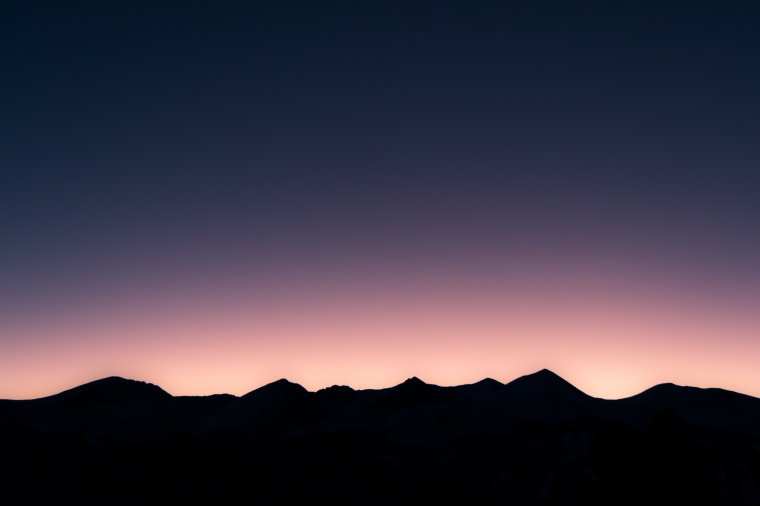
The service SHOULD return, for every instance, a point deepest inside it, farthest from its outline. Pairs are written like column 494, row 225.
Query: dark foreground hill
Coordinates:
column 536, row 440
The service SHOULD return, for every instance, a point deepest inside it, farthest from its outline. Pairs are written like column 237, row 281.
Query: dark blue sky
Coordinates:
column 146, row 143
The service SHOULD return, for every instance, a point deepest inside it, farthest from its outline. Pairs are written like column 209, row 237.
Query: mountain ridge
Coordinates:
column 536, row 439
column 543, row 378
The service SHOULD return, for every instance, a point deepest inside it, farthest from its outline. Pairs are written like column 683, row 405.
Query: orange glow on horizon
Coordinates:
column 607, row 342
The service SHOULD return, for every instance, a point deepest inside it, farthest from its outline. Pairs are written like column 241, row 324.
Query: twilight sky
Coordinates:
column 214, row 195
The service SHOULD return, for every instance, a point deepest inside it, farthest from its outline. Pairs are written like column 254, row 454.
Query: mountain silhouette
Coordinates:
column 706, row 407
column 336, row 393
column 536, row 439
column 107, row 391
column 280, row 405
column 487, row 384
column 412, row 393
column 543, row 383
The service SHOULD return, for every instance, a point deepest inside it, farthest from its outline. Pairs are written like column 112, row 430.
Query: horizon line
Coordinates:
column 544, row 372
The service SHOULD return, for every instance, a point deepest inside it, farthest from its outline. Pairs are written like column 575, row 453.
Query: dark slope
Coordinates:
column 108, row 410
column 336, row 394
column 487, row 406
column 103, row 392
column 411, row 394
column 543, row 383
column 111, row 411
column 113, row 390
column 485, row 385
column 546, row 398
column 278, row 407
column 537, row 439
column 705, row 407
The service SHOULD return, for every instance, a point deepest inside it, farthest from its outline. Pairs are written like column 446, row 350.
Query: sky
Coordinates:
column 211, row 196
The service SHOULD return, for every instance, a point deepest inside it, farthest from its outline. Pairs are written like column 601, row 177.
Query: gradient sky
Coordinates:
column 214, row 195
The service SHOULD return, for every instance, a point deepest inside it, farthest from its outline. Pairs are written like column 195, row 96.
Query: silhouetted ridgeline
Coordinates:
column 537, row 440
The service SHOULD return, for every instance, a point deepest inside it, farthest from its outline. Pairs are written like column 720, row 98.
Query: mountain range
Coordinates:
column 535, row 440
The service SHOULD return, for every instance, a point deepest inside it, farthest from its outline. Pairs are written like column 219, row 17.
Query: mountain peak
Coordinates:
column 543, row 382
column 336, row 392
column 281, row 386
column 414, row 381
column 118, row 380
column 337, row 388
column 114, row 383
column 544, row 375
column 282, row 381
column 489, row 383
column 110, row 390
